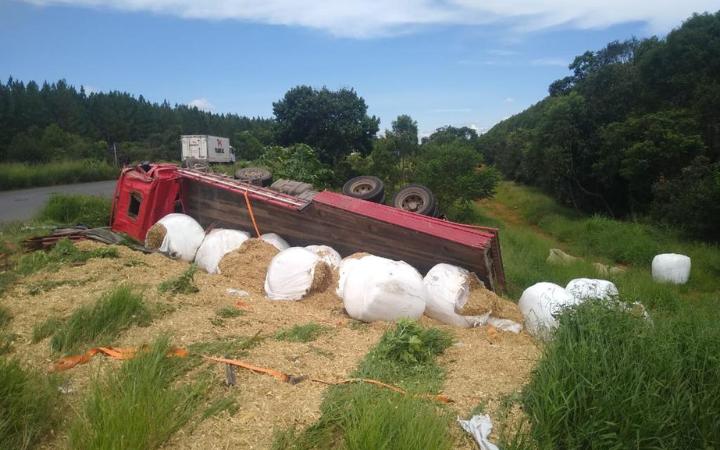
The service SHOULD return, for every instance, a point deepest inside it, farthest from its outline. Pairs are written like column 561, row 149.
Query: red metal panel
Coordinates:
column 463, row 234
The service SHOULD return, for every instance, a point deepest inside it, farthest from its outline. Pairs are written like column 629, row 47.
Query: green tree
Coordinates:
column 335, row 123
column 297, row 162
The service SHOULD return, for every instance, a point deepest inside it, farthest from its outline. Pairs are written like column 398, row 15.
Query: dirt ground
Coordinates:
column 483, row 366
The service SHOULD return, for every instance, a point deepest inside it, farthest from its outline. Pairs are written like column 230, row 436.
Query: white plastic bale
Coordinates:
column 217, row 244
column 381, row 289
column 327, row 254
column 592, row 289
column 182, row 238
column 671, row 268
column 275, row 240
column 447, row 288
column 291, row 274
column 346, row 265
column 540, row 303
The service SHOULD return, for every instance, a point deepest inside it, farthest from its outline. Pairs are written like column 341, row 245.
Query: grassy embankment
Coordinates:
column 20, row 176
column 609, row 379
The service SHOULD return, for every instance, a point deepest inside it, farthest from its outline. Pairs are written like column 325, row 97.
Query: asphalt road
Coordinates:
column 25, row 203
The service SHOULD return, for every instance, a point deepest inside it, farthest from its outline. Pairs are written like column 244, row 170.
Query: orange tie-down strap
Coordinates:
column 294, row 379
column 68, row 362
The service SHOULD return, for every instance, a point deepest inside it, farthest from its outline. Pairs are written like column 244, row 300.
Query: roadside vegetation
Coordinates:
column 363, row 416
column 139, row 405
column 29, row 405
column 75, row 209
column 20, row 176
column 611, row 379
column 98, row 324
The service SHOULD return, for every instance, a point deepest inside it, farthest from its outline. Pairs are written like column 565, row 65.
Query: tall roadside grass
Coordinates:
column 138, row 406
column 73, row 209
column 19, row 176
column 539, row 224
column 27, row 405
column 361, row 416
column 100, row 323
column 612, row 380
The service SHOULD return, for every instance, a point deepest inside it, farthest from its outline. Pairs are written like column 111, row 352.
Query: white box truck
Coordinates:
column 212, row 149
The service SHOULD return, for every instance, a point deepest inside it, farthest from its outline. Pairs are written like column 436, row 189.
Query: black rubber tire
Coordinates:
column 367, row 188
column 415, row 198
column 254, row 175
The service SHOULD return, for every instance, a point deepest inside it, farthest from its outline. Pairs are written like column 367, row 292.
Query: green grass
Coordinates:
column 19, row 176
column 301, row 333
column 28, row 403
column 73, row 209
column 100, row 323
column 45, row 329
column 184, row 284
column 612, row 380
column 361, row 416
column 228, row 312
column 5, row 316
column 64, row 253
column 138, row 406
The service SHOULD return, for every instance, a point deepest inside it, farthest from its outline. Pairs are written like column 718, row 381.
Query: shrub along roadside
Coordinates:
column 20, row 176
column 73, row 209
column 360, row 416
column 27, row 405
column 613, row 380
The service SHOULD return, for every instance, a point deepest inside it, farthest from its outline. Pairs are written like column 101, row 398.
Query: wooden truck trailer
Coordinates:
column 144, row 194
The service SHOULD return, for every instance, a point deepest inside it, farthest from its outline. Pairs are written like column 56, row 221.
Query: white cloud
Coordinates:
column 560, row 62
column 90, row 89
column 509, row 100
column 202, row 104
column 370, row 18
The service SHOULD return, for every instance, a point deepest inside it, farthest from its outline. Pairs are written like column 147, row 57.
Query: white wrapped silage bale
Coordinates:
column 671, row 268
column 447, row 288
column 176, row 235
column 540, row 303
column 292, row 274
column 218, row 243
column 327, row 254
column 592, row 289
column 275, row 240
column 382, row 289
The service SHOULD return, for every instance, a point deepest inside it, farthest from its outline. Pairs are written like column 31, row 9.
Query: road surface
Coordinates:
column 24, row 204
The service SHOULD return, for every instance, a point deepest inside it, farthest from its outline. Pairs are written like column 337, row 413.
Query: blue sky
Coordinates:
column 452, row 62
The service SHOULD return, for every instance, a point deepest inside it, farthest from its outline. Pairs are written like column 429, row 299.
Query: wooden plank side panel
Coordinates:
column 345, row 231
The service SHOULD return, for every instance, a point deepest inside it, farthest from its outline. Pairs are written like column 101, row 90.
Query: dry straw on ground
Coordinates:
column 481, row 366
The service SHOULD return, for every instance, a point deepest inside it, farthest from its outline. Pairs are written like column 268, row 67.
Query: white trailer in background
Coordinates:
column 212, row 149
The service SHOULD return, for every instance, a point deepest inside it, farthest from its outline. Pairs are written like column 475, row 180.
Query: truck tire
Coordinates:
column 196, row 164
column 366, row 188
column 291, row 187
column 254, row 175
column 415, row 198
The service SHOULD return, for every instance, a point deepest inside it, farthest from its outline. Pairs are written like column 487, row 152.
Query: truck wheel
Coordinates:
column 254, row 175
column 415, row 198
column 366, row 188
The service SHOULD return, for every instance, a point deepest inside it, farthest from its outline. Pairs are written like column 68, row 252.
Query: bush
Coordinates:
column 297, row 162
column 73, row 209
column 611, row 380
column 27, row 405
column 453, row 171
column 19, row 176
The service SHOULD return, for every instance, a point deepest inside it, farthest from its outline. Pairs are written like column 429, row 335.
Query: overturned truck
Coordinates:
column 146, row 193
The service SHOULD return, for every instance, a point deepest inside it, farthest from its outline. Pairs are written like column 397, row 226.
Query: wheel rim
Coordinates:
column 412, row 202
column 362, row 188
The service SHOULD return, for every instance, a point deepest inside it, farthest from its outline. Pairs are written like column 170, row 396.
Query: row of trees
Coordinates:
column 317, row 135
column 635, row 130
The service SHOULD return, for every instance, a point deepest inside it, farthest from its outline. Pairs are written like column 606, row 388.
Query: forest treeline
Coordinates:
column 56, row 121
column 633, row 131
